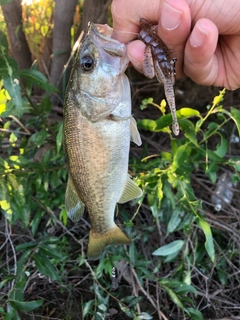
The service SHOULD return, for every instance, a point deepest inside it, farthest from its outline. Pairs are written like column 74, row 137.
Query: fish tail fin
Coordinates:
column 99, row 241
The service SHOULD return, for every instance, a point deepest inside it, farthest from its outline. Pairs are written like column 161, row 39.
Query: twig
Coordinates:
column 8, row 237
column 14, row 131
column 160, row 314
column 76, row 45
column 135, row 291
column 20, row 123
column 8, row 234
column 223, row 226
column 57, row 220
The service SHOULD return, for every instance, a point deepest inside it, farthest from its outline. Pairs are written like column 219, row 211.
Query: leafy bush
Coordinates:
column 175, row 256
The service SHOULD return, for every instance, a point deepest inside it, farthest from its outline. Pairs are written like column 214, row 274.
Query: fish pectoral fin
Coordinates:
column 74, row 206
column 99, row 241
column 130, row 192
column 135, row 136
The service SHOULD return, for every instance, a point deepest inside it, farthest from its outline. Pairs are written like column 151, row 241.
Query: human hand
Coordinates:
column 209, row 53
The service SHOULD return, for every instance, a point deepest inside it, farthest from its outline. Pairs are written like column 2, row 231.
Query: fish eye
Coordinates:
column 87, row 63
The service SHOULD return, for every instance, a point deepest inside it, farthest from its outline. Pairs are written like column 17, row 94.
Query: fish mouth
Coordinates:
column 104, row 32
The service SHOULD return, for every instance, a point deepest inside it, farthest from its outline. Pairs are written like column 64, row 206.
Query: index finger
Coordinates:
column 126, row 15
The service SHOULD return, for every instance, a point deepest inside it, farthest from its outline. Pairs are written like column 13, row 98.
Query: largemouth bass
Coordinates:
column 97, row 130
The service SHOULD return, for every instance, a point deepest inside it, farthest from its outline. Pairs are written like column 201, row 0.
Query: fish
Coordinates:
column 157, row 62
column 97, row 129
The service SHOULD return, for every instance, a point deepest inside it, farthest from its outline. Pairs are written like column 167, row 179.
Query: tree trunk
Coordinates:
column 95, row 11
column 63, row 20
column 20, row 51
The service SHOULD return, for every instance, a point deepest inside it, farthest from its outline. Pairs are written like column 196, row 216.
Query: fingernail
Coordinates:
column 198, row 35
column 170, row 17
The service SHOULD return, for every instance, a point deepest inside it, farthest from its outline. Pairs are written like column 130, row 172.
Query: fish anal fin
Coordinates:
column 74, row 206
column 135, row 136
column 130, row 192
column 99, row 241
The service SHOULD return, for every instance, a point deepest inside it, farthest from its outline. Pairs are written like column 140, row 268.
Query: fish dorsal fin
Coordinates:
column 74, row 206
column 135, row 136
column 130, row 192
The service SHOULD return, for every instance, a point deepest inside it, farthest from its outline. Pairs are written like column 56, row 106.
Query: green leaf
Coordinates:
column 3, row 42
column 59, row 138
column 144, row 316
column 34, row 77
column 222, row 148
column 210, row 155
column 133, row 253
column 45, row 267
column 146, row 124
column 222, row 277
column 21, row 262
column 194, row 314
column 174, row 297
column 175, row 220
column 39, row 138
column 212, row 171
column 145, row 103
column 170, row 248
column 46, row 105
column 134, row 301
column 189, row 130
column 235, row 162
column 236, row 118
column 36, row 220
column 212, row 127
column 12, row 315
column 102, row 307
column 26, row 246
column 9, row 73
column 87, row 307
column 63, row 216
column 185, row 289
column 208, row 235
column 6, row 279
column 163, row 122
column 25, row 306
column 171, row 257
column 50, row 252
column 181, row 155
column 219, row 98
column 188, row 112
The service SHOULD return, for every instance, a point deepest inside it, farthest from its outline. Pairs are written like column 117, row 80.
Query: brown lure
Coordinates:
column 156, row 61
